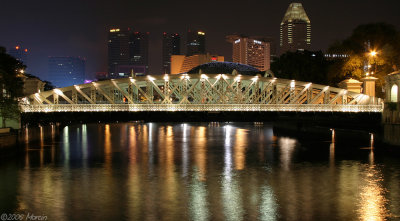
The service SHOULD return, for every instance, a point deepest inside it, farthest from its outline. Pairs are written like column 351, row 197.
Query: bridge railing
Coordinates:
column 201, row 107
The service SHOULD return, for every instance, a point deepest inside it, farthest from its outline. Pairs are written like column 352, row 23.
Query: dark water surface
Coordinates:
column 198, row 171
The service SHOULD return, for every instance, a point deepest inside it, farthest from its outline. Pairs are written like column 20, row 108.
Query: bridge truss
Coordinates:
column 199, row 92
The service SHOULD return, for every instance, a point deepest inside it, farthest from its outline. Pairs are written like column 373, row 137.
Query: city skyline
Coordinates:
column 80, row 28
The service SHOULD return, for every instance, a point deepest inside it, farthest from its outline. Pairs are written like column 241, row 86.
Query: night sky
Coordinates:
column 79, row 27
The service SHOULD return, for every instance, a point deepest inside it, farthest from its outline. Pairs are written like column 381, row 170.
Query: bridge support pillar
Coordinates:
column 351, row 85
column 369, row 85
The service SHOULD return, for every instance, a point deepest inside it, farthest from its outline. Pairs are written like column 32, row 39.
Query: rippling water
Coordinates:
column 198, row 171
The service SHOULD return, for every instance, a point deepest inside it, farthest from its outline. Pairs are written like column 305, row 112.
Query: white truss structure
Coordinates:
column 200, row 92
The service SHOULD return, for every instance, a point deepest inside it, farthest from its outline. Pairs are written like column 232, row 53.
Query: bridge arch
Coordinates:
column 199, row 92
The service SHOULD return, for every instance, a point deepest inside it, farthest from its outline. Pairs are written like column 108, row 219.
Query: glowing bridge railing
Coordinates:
column 200, row 92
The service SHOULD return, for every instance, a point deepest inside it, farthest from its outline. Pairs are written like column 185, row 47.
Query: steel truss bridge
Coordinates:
column 200, row 92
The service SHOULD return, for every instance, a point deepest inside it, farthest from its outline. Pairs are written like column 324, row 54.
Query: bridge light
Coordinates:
column 203, row 76
column 150, row 78
column 58, row 91
column 77, row 87
column 255, row 78
column 292, row 84
column 38, row 96
column 132, row 80
column 308, row 85
column 224, row 76
column 218, row 76
column 166, row 78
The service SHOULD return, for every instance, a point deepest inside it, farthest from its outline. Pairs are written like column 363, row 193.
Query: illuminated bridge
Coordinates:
column 200, row 93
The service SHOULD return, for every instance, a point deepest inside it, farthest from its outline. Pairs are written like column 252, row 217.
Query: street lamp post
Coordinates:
column 373, row 55
column 369, row 80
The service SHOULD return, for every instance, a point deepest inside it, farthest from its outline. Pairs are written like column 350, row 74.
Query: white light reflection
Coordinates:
column 232, row 199
column 231, row 194
column 228, row 152
column 150, row 146
column 185, row 152
column 286, row 147
column 198, row 199
column 268, row 205
column 84, row 144
column 66, row 144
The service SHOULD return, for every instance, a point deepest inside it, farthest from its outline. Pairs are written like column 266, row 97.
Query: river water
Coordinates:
column 198, row 171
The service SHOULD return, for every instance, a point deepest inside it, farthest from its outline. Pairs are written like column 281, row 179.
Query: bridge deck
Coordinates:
column 200, row 92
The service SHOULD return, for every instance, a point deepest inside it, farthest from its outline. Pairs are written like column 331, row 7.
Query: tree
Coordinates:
column 10, row 86
column 303, row 66
column 380, row 37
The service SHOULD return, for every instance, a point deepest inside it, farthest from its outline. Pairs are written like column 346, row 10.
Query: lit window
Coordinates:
column 393, row 93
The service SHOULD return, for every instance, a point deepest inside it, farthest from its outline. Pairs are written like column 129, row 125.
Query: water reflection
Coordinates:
column 107, row 147
column 200, row 152
column 373, row 202
column 65, row 142
column 240, row 148
column 196, row 171
column 268, row 205
column 287, row 146
column 198, row 199
column 231, row 193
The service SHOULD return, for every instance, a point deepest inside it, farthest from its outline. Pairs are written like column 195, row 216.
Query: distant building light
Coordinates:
column 201, row 33
column 88, row 81
column 114, row 30
column 237, row 41
column 257, row 42
column 121, row 74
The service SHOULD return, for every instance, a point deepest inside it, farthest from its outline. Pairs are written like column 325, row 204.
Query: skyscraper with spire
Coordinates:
column 295, row 29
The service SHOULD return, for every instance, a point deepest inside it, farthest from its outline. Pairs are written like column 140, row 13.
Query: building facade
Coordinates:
column 196, row 43
column 295, row 30
column 128, row 52
column 139, row 51
column 66, row 71
column 171, row 46
column 183, row 64
column 118, row 49
column 32, row 85
column 254, row 51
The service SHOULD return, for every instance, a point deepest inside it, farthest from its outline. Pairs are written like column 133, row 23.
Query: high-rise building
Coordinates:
column 118, row 49
column 254, row 51
column 19, row 53
column 171, row 46
column 295, row 30
column 139, row 50
column 127, row 52
column 183, row 64
column 196, row 43
column 66, row 71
